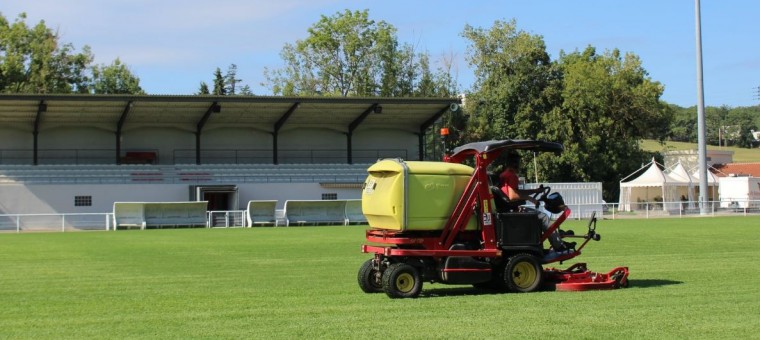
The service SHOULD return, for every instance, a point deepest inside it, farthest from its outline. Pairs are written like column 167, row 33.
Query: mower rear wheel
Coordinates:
column 401, row 280
column 523, row 273
column 369, row 279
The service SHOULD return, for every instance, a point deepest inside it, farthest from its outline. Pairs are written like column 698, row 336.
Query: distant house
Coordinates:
column 738, row 169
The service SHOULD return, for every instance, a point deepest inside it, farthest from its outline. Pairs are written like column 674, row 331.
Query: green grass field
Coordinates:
column 690, row 278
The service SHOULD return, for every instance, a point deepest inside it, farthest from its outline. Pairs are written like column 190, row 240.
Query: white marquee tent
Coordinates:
column 712, row 183
column 654, row 185
column 684, row 184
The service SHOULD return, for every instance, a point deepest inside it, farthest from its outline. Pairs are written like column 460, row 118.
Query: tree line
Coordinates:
column 34, row 60
column 599, row 104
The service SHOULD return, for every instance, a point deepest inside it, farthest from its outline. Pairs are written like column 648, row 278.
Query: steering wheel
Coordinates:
column 540, row 195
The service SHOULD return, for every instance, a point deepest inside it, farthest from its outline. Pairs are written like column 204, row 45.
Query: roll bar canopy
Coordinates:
column 496, row 147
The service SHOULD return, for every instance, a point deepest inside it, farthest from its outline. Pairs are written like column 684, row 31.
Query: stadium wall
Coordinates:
column 15, row 138
column 235, row 138
column 60, row 198
column 388, row 138
column 162, row 139
column 75, row 138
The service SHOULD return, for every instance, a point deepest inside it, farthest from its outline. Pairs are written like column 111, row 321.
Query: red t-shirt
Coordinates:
column 508, row 180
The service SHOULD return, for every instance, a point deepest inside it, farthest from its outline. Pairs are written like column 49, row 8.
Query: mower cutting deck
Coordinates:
column 444, row 222
column 578, row 278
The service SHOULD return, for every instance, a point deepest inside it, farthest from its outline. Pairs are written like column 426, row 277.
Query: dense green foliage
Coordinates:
column 726, row 126
column 607, row 104
column 114, row 79
column 598, row 105
column 348, row 54
column 300, row 282
column 34, row 60
column 514, row 78
column 741, row 155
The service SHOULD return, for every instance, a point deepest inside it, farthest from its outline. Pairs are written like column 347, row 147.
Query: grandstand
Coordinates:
column 82, row 153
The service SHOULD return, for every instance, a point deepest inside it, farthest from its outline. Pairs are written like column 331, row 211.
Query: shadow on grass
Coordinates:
column 651, row 283
column 461, row 291
column 442, row 292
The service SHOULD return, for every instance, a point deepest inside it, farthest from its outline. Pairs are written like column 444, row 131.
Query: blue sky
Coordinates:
column 174, row 45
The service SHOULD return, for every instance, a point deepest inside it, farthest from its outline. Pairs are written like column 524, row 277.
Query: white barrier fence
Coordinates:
column 104, row 221
column 684, row 209
column 55, row 222
column 226, row 219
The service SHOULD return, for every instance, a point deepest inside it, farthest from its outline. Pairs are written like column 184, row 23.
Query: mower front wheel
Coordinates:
column 369, row 279
column 401, row 280
column 523, row 273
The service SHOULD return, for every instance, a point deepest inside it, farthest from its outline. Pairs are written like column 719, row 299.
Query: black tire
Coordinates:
column 401, row 280
column 523, row 273
column 369, row 280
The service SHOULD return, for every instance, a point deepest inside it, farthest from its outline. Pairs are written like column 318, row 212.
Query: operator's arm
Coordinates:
column 522, row 195
column 510, row 189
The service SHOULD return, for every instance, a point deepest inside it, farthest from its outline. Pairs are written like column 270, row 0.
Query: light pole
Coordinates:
column 702, row 144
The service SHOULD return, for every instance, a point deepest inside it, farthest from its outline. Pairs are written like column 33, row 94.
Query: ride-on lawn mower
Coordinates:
column 445, row 222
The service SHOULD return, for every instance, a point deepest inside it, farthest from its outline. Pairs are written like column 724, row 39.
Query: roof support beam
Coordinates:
column 119, row 127
column 424, row 126
column 41, row 107
column 351, row 127
column 215, row 107
column 277, row 126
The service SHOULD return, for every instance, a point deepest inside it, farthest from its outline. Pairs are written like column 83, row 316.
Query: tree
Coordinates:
column 220, row 84
column 683, row 127
column 744, row 120
column 348, row 54
column 725, row 125
column 203, row 89
column 344, row 55
column 231, row 80
column 598, row 105
column 246, row 91
column 227, row 84
column 114, row 79
column 513, row 73
column 608, row 105
column 33, row 60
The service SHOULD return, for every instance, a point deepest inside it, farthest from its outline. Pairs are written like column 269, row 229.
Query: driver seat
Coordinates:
column 503, row 204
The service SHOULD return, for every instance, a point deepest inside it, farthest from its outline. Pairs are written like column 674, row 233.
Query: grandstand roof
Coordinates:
column 271, row 114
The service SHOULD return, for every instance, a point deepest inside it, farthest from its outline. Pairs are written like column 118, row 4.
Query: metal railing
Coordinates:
column 125, row 174
column 68, row 222
column 237, row 218
column 285, row 156
column 210, row 156
column 678, row 209
column 56, row 222
column 226, row 219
